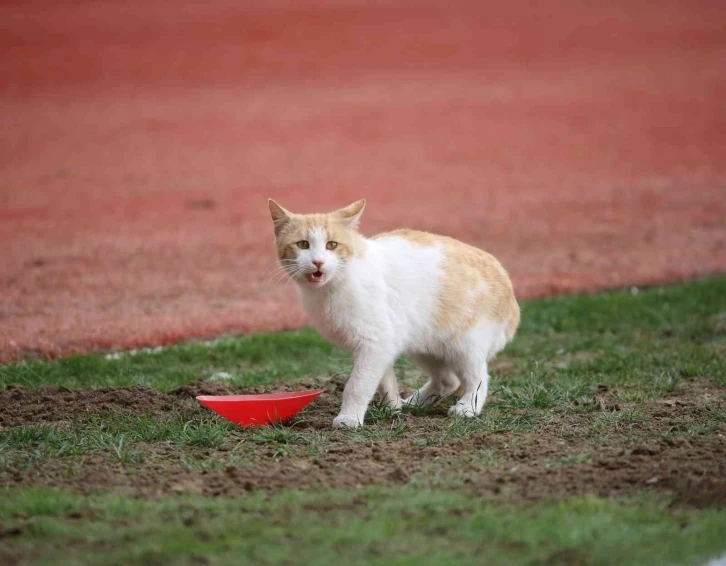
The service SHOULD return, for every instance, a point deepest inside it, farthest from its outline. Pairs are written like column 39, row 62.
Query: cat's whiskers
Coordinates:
column 289, row 274
column 276, row 266
column 278, row 270
column 284, row 278
column 277, row 274
column 294, row 276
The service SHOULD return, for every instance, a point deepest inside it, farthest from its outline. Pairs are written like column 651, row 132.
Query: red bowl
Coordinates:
column 258, row 410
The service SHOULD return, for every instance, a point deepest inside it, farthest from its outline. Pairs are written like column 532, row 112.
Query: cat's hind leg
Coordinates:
column 478, row 346
column 474, row 387
column 442, row 382
column 388, row 390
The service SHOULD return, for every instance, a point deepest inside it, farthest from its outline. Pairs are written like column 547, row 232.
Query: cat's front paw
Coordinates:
column 462, row 410
column 347, row 421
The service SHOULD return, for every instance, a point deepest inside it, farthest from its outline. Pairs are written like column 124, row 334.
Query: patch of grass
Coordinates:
column 257, row 359
column 633, row 396
column 658, row 336
column 571, row 460
column 684, row 311
column 277, row 434
column 436, row 405
column 705, row 423
column 492, row 421
column 715, row 414
column 623, row 422
column 368, row 526
column 116, row 434
column 118, row 448
column 382, row 432
column 599, row 357
column 534, row 392
column 641, row 347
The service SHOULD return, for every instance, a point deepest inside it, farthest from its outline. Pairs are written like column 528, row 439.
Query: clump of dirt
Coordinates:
column 692, row 469
column 22, row 406
column 200, row 387
column 559, row 456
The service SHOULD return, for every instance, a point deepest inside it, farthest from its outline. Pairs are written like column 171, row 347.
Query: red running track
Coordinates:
column 583, row 145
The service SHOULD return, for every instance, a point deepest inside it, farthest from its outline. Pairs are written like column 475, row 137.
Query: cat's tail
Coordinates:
column 514, row 318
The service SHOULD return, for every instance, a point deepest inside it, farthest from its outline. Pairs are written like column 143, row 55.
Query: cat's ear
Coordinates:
column 280, row 216
column 351, row 214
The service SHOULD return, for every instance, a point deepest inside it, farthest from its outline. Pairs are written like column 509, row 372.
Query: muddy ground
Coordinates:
column 558, row 456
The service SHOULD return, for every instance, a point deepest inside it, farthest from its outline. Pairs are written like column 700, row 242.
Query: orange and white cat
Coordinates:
column 447, row 305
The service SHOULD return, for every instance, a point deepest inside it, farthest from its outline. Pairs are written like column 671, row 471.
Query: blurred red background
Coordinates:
column 582, row 143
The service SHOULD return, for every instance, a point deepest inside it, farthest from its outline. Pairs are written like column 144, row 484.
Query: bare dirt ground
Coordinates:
column 584, row 145
column 556, row 457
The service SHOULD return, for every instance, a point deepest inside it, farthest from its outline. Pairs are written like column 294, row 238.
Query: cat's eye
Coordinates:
column 331, row 245
column 303, row 244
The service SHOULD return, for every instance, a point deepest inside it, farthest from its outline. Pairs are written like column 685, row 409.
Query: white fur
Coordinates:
column 380, row 305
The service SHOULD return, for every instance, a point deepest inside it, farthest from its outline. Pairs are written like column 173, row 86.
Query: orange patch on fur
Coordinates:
column 474, row 285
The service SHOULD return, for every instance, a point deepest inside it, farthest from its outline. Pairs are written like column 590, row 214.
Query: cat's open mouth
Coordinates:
column 317, row 277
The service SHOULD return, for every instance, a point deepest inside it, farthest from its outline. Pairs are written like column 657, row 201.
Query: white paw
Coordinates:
column 419, row 399
column 395, row 405
column 347, row 421
column 463, row 410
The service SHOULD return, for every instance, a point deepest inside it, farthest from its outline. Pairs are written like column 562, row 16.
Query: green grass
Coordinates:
column 656, row 337
column 404, row 525
column 118, row 429
column 645, row 345
column 257, row 359
column 601, row 358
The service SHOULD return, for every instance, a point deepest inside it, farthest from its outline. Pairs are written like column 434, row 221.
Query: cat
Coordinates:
column 447, row 305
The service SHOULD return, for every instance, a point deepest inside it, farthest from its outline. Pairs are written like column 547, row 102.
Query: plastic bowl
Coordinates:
column 259, row 410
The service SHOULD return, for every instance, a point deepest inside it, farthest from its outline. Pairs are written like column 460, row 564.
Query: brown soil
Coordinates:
column 543, row 463
column 20, row 406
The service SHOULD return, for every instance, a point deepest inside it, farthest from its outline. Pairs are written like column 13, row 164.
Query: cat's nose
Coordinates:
column 318, row 263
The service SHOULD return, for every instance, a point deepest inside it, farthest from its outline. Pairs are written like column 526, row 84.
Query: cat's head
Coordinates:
column 314, row 249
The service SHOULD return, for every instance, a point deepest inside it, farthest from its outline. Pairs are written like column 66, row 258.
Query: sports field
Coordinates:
column 582, row 144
